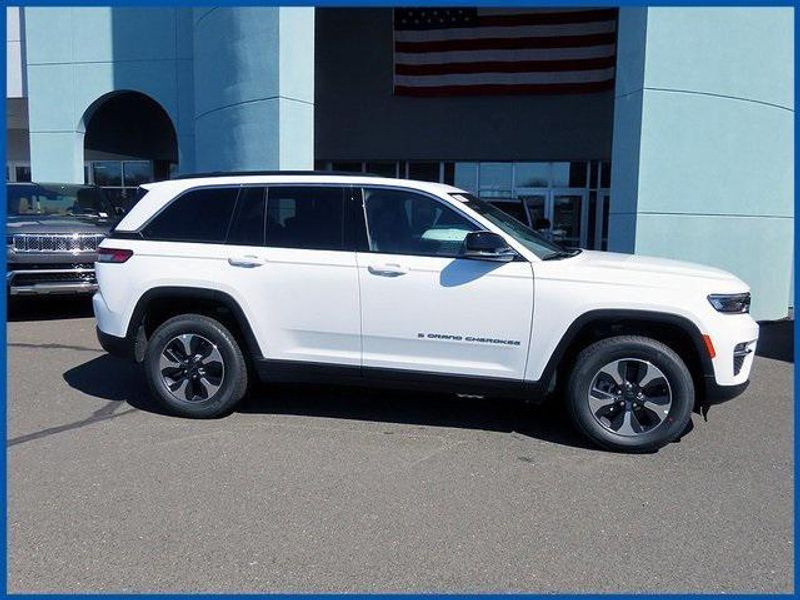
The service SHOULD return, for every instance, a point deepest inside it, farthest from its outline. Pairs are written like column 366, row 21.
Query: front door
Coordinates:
column 425, row 309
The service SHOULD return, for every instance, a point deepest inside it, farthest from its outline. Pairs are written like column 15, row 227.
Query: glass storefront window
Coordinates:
column 605, row 176
column 22, row 173
column 107, row 173
column 120, row 179
column 347, row 166
column 137, row 172
column 592, row 220
column 567, row 219
column 449, row 173
column 384, row 169
column 606, row 208
column 423, row 171
column 569, row 174
column 532, row 174
column 495, row 180
column 466, row 177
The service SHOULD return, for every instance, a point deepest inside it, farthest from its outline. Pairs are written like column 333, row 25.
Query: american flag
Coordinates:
column 474, row 51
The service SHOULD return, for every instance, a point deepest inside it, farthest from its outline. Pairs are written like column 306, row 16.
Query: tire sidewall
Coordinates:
column 229, row 393
column 589, row 363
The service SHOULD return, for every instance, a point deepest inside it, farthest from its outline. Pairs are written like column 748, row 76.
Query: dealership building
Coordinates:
column 660, row 131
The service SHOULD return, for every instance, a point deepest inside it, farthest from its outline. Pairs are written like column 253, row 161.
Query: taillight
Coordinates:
column 113, row 255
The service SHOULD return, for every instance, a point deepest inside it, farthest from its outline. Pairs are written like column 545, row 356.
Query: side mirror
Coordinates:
column 486, row 245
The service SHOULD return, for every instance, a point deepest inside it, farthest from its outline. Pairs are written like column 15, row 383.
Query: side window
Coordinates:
column 200, row 215
column 310, row 217
column 247, row 225
column 402, row 222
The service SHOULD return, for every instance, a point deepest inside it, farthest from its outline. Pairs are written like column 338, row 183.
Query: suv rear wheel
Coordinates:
column 630, row 393
column 195, row 367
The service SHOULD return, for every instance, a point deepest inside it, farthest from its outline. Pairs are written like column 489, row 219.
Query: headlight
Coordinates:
column 731, row 303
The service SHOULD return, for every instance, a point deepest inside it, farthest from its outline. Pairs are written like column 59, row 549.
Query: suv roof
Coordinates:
column 162, row 192
column 269, row 173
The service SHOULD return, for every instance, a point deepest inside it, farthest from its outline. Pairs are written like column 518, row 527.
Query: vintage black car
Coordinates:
column 52, row 233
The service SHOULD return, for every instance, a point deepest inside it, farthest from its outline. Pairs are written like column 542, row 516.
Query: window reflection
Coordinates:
column 107, row 173
column 561, row 198
column 532, row 175
column 496, row 177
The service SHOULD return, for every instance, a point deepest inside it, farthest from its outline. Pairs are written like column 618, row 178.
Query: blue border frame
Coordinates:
column 355, row 3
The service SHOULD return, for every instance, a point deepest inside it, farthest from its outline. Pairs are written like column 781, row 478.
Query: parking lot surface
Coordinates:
column 308, row 489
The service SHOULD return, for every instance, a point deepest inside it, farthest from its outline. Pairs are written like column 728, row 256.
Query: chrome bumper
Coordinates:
column 50, row 287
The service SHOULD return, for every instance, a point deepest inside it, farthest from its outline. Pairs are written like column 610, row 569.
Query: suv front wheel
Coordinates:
column 630, row 393
column 195, row 367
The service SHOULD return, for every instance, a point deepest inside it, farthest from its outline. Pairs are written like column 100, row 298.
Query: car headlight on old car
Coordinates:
column 731, row 303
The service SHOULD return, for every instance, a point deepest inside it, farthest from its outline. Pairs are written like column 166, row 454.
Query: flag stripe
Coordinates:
column 546, row 18
column 554, row 54
column 507, row 66
column 507, row 43
column 506, row 78
column 473, row 90
column 504, row 32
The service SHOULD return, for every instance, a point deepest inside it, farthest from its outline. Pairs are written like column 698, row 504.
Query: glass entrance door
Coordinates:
column 560, row 215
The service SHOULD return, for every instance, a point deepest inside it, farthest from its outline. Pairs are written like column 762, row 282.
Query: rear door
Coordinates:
column 284, row 253
column 426, row 309
column 305, row 297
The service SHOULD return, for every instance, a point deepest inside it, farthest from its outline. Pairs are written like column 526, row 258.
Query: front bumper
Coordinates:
column 44, row 281
column 716, row 394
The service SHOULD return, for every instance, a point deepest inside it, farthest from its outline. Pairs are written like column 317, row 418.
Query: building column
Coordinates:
column 254, row 88
column 703, row 155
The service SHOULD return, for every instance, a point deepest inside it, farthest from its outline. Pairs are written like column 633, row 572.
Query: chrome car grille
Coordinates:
column 56, row 242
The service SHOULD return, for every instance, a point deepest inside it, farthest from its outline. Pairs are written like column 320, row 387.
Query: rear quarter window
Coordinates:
column 201, row 215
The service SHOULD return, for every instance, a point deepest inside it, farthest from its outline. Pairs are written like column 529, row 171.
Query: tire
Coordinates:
column 630, row 418
column 202, row 388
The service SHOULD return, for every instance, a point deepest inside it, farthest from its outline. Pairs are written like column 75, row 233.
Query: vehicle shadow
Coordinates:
column 117, row 380
column 32, row 308
column 114, row 380
column 776, row 340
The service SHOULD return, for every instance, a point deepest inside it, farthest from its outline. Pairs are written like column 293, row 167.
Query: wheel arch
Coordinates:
column 158, row 304
column 677, row 331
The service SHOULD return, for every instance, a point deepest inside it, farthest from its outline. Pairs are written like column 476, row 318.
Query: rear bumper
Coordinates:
column 123, row 347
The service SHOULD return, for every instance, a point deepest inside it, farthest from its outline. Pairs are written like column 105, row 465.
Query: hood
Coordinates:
column 636, row 270
column 43, row 224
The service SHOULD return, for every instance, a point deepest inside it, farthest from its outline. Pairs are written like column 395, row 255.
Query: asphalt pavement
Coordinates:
column 339, row 490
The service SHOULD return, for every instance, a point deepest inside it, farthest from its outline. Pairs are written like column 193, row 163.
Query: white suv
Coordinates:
column 211, row 280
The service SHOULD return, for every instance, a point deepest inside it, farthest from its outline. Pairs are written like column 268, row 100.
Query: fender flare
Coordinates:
column 223, row 298
column 627, row 315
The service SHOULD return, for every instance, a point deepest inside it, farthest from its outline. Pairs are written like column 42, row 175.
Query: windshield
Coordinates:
column 526, row 236
column 57, row 200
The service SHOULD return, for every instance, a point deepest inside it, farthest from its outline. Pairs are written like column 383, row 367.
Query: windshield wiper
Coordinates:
column 559, row 254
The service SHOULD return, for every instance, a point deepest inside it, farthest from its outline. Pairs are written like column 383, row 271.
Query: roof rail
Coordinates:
column 249, row 173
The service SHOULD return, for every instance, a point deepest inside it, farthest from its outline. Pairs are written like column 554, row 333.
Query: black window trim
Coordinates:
column 368, row 248
column 264, row 192
column 154, row 216
column 349, row 243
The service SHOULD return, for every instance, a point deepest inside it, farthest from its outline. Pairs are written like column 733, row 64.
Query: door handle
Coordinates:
column 388, row 270
column 247, row 261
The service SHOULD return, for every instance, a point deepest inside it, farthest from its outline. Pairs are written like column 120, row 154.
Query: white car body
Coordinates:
column 476, row 319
